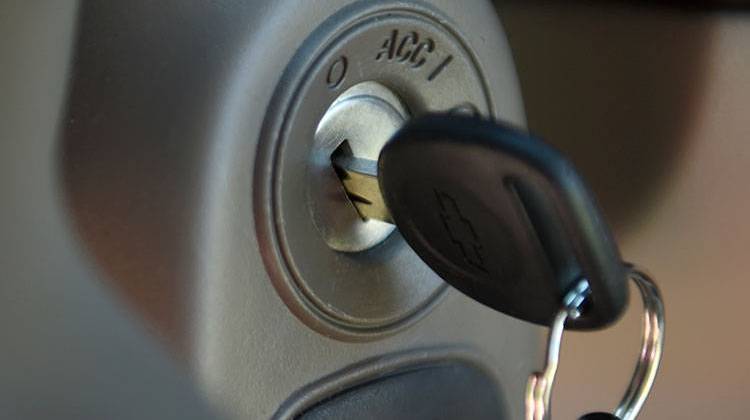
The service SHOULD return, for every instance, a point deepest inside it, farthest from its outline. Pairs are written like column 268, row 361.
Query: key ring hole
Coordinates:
column 539, row 388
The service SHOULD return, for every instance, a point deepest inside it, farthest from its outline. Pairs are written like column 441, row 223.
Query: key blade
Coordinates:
column 359, row 178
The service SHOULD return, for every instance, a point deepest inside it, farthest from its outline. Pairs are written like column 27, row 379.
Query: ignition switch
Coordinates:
column 348, row 89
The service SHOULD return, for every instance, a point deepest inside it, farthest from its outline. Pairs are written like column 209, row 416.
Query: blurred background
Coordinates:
column 651, row 101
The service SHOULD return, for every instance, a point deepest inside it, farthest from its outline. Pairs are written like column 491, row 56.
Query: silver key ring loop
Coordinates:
column 539, row 387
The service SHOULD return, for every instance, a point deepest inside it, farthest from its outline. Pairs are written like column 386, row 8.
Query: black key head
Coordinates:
column 502, row 217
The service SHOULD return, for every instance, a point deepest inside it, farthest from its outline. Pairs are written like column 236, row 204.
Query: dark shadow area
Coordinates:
column 614, row 86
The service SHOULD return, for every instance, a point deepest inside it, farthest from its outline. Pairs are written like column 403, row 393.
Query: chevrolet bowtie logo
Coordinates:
column 461, row 231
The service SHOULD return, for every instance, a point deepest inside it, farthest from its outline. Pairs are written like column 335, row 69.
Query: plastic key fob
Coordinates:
column 502, row 217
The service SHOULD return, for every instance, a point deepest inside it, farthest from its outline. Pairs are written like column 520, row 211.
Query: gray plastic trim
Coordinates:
column 376, row 368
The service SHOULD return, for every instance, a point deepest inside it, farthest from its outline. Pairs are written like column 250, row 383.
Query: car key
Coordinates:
column 505, row 218
column 502, row 217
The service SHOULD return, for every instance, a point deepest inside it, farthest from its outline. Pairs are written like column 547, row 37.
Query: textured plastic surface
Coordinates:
column 502, row 217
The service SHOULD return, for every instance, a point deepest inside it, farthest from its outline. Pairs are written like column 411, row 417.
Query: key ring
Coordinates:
column 539, row 387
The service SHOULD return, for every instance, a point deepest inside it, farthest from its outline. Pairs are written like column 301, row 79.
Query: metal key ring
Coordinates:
column 539, row 387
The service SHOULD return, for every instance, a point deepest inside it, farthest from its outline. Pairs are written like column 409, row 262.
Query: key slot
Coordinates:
column 359, row 179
